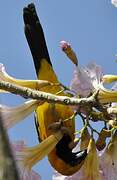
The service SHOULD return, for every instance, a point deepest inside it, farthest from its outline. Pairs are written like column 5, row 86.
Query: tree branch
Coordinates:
column 48, row 97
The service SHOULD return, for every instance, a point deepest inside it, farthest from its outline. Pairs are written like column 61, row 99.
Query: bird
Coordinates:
column 48, row 115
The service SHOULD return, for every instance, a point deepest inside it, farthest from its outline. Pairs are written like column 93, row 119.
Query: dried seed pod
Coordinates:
column 66, row 47
column 85, row 138
column 101, row 141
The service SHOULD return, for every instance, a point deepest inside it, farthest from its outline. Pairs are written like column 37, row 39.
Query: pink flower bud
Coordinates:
column 64, row 45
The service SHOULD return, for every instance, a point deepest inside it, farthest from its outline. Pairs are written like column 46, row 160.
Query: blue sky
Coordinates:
column 89, row 26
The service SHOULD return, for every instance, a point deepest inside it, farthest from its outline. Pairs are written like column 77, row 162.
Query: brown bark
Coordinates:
column 8, row 169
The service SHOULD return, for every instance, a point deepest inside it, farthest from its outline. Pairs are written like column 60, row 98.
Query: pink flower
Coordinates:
column 108, row 159
column 13, row 115
column 64, row 45
column 25, row 173
column 27, row 157
column 90, row 79
column 86, row 79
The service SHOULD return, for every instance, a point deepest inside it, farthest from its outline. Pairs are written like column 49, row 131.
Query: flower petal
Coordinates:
column 25, row 173
column 112, row 110
column 29, row 175
column 13, row 115
column 86, row 79
column 114, row 87
column 34, row 154
column 108, row 159
column 95, row 71
column 58, row 176
column 81, row 83
column 109, row 78
column 33, row 84
column 106, row 95
column 114, row 2
column 91, row 165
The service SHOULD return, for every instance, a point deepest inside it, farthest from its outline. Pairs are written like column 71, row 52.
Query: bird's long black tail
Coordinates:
column 35, row 36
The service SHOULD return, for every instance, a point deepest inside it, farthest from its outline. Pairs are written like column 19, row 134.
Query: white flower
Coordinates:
column 114, row 2
column 25, row 173
column 33, row 84
column 13, row 115
column 27, row 157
